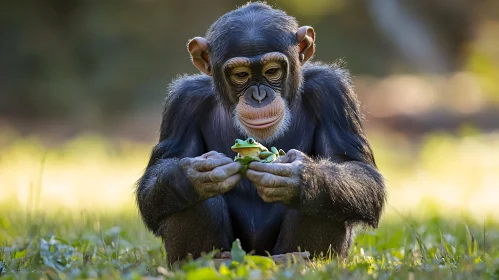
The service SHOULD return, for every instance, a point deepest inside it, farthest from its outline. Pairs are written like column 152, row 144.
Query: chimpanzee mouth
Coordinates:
column 262, row 123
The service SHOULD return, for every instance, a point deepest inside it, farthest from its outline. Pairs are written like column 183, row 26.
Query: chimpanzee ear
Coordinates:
column 198, row 48
column 306, row 38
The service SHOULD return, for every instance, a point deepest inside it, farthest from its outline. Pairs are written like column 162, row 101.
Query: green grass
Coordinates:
column 116, row 245
column 67, row 211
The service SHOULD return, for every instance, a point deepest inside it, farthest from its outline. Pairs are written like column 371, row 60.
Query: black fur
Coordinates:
column 341, row 186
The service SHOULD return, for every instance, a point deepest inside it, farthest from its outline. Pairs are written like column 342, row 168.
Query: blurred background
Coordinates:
column 82, row 85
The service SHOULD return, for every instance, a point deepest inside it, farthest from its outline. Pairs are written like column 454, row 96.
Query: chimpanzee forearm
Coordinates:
column 176, row 179
column 347, row 191
column 163, row 190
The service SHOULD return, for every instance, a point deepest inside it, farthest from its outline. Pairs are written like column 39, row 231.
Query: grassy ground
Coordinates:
column 67, row 211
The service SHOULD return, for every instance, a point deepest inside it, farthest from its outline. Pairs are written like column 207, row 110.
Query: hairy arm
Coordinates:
column 161, row 191
column 347, row 190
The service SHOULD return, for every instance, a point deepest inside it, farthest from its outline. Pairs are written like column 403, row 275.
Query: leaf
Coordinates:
column 165, row 272
column 237, row 251
column 4, row 223
column 60, row 240
column 263, row 262
column 224, row 270
column 20, row 254
column 242, row 271
column 204, row 273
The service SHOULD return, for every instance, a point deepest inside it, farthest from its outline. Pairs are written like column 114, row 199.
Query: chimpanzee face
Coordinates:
column 256, row 84
column 254, row 58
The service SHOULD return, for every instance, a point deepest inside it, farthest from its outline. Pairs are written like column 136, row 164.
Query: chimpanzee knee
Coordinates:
column 316, row 235
column 199, row 228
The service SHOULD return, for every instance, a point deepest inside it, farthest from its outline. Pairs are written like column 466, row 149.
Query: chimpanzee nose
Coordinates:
column 259, row 93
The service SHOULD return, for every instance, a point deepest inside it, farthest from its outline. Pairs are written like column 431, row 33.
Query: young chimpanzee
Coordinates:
column 257, row 82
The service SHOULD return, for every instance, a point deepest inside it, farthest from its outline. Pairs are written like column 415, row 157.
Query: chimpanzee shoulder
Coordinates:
column 189, row 99
column 327, row 88
column 328, row 92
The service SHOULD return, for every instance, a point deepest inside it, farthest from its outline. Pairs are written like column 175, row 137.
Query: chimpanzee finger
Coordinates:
column 268, row 180
column 271, row 192
column 217, row 155
column 259, row 178
column 224, row 186
column 209, row 164
column 220, row 173
column 291, row 156
column 284, row 194
column 274, row 168
column 269, row 199
column 283, row 159
column 205, row 155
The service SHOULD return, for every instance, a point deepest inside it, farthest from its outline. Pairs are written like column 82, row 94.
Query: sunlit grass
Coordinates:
column 441, row 174
column 67, row 210
column 453, row 175
column 85, row 173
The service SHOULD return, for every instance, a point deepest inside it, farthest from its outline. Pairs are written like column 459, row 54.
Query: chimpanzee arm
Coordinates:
column 342, row 181
column 164, row 188
column 346, row 191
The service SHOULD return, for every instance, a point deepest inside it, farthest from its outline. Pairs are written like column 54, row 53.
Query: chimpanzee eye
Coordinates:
column 242, row 74
column 251, row 141
column 271, row 71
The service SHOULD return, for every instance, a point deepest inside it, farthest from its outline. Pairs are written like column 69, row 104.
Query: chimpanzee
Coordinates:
column 257, row 82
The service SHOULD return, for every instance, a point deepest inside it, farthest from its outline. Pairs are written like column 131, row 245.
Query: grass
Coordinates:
column 67, row 211
column 116, row 245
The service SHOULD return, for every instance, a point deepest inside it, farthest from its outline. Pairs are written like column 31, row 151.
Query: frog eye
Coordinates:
column 251, row 141
column 237, row 141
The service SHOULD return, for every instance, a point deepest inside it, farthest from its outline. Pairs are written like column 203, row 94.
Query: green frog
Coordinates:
column 249, row 150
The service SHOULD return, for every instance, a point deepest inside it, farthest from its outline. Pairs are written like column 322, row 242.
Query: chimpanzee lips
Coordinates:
column 261, row 123
column 261, row 117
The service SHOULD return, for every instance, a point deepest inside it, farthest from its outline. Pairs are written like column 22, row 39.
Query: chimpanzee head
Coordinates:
column 255, row 55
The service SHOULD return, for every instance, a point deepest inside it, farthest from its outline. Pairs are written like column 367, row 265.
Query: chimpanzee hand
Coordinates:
column 280, row 180
column 211, row 174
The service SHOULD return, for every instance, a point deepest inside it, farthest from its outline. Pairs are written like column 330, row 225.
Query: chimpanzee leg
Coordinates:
column 200, row 228
column 315, row 235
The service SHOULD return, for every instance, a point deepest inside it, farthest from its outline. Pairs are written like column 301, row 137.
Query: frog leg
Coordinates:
column 269, row 159
column 265, row 154
column 282, row 152
column 254, row 158
column 246, row 159
column 274, row 150
column 244, row 169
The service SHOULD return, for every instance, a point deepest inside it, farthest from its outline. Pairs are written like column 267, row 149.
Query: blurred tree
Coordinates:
column 90, row 61
column 430, row 35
